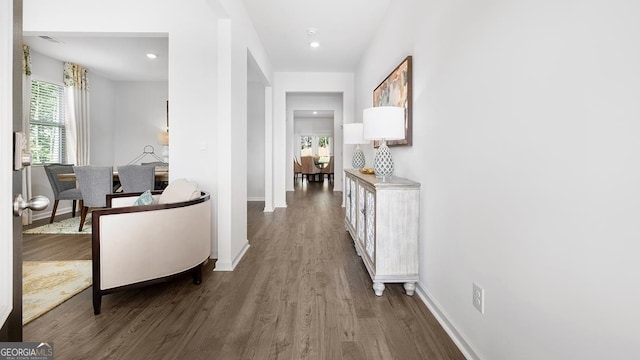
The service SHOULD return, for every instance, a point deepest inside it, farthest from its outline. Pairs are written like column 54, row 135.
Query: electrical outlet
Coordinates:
column 478, row 298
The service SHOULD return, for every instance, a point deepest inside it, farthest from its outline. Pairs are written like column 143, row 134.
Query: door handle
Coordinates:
column 36, row 203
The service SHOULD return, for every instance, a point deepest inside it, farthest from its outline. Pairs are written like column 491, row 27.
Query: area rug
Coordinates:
column 47, row 284
column 67, row 226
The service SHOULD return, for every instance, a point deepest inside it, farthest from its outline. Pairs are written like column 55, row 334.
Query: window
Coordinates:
column 315, row 145
column 46, row 123
column 324, row 145
column 306, row 143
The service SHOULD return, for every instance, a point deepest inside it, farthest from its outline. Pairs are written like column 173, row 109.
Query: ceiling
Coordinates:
column 121, row 58
column 343, row 29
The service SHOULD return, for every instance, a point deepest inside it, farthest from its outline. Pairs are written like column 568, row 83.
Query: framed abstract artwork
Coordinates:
column 395, row 90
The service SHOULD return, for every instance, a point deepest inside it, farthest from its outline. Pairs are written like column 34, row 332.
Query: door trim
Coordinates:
column 6, row 182
column 10, row 181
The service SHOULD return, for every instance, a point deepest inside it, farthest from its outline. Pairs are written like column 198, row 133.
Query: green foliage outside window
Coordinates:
column 323, row 141
column 305, row 142
column 46, row 123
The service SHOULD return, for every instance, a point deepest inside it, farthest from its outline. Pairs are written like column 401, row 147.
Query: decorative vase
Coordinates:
column 358, row 160
column 383, row 163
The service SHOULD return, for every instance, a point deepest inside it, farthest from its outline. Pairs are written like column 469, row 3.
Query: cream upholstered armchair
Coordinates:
column 134, row 244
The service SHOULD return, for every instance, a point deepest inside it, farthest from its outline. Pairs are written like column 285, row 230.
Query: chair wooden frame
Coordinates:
column 189, row 242
column 297, row 169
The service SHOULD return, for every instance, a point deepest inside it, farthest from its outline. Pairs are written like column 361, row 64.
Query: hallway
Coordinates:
column 301, row 292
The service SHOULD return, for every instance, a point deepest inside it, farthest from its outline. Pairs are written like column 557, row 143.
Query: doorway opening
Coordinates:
column 313, row 139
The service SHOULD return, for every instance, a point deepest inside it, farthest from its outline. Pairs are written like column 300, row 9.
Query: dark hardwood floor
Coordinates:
column 300, row 292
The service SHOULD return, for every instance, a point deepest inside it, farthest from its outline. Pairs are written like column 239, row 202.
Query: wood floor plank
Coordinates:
column 300, row 292
column 353, row 351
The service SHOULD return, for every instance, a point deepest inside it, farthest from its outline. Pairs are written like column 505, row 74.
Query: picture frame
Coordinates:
column 396, row 90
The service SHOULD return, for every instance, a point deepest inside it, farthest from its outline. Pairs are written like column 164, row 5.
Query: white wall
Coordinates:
column 192, row 122
column 313, row 126
column 140, row 114
column 330, row 91
column 201, row 146
column 236, row 39
column 46, row 68
column 255, row 142
column 525, row 142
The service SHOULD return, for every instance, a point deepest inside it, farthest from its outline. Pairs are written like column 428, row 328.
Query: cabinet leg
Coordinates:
column 357, row 251
column 410, row 287
column 378, row 288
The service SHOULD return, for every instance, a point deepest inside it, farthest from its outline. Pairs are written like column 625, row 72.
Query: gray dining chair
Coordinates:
column 95, row 183
column 159, row 184
column 156, row 163
column 137, row 178
column 62, row 190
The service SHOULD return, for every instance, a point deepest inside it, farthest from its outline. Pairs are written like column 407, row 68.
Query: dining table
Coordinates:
column 321, row 162
column 160, row 174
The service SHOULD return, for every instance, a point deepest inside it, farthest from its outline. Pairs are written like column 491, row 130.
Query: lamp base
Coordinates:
column 383, row 162
column 358, row 160
column 165, row 154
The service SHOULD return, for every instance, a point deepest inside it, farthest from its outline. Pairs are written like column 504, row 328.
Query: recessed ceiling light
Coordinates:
column 152, row 55
column 314, row 44
column 315, row 113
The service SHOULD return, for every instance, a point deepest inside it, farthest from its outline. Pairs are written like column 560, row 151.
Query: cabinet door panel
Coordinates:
column 347, row 200
column 361, row 214
column 352, row 191
column 370, row 215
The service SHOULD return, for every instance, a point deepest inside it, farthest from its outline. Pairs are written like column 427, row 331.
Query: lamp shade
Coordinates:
column 163, row 138
column 353, row 134
column 383, row 122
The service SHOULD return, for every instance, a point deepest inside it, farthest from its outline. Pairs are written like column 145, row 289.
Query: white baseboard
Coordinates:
column 231, row 266
column 39, row 215
column 220, row 266
column 236, row 261
column 256, row 198
column 458, row 338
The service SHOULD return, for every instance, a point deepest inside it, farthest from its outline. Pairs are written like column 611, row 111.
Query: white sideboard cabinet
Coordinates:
column 382, row 218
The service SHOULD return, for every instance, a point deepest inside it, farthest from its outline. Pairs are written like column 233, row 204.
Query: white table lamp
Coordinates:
column 383, row 123
column 353, row 135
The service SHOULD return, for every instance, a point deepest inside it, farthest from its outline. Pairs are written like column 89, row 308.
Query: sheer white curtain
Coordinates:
column 27, row 216
column 76, row 93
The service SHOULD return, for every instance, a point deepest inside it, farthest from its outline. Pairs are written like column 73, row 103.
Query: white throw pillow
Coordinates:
column 178, row 191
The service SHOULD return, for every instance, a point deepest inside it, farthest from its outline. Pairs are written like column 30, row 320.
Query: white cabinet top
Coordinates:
column 389, row 182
